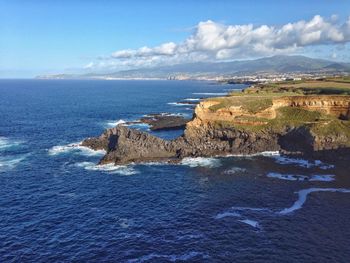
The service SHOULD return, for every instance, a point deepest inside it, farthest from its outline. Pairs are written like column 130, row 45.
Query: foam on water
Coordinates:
column 178, row 104
column 6, row 143
column 115, row 123
column 192, row 99
column 297, row 177
column 74, row 148
column 235, row 170
column 250, row 222
column 227, row 214
column 201, row 162
column 154, row 257
column 108, row 168
column 10, row 162
column 265, row 154
column 302, row 196
column 302, row 163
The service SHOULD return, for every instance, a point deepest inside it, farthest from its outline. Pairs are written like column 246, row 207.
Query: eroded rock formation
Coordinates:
column 204, row 136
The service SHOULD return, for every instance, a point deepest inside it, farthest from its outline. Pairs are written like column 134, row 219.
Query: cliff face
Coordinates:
column 338, row 106
column 292, row 124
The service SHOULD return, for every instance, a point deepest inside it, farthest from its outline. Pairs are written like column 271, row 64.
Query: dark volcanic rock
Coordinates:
column 125, row 145
column 164, row 122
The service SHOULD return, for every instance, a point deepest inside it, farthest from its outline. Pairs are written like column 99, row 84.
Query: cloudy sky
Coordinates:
column 43, row 37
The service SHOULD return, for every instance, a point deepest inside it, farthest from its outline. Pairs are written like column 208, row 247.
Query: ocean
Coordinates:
column 57, row 205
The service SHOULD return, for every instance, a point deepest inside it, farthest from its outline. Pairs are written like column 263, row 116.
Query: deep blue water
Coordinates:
column 56, row 205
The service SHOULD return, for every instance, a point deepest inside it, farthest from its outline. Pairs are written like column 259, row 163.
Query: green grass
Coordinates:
column 250, row 104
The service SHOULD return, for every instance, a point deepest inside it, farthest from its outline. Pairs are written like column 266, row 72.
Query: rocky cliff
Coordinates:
column 292, row 124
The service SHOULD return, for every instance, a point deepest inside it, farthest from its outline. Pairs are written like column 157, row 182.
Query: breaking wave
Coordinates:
column 265, row 154
column 201, row 162
column 112, row 124
column 108, row 168
column 192, row 99
column 74, row 148
column 10, row 162
column 297, row 177
column 250, row 222
column 6, row 143
column 178, row 104
column 298, row 204
column 302, row 163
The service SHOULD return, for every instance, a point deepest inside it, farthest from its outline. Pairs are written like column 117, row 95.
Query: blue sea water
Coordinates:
column 57, row 205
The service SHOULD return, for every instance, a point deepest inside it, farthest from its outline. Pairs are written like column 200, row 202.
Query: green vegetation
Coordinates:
column 250, row 104
column 336, row 86
column 259, row 97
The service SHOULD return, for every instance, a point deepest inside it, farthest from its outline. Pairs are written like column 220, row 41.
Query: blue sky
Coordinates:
column 39, row 37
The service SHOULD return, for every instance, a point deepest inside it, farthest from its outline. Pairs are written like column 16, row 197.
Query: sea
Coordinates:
column 58, row 205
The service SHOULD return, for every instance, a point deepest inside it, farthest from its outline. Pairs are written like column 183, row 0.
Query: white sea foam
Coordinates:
column 115, row 123
column 303, row 196
column 178, row 104
column 235, row 170
column 75, row 148
column 201, row 162
column 154, row 257
column 192, row 99
column 227, row 214
column 302, row 162
column 108, row 168
column 250, row 222
column 265, row 154
column 298, row 177
column 10, row 162
column 211, row 93
column 6, row 143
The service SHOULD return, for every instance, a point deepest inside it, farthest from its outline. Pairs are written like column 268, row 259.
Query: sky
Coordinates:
column 48, row 37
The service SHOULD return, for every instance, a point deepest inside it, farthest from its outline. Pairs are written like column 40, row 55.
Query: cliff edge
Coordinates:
column 247, row 122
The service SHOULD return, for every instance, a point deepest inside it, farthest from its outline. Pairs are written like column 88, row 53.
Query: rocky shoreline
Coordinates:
column 309, row 126
column 124, row 145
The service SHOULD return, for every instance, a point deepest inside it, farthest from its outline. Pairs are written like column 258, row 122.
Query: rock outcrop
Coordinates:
column 206, row 135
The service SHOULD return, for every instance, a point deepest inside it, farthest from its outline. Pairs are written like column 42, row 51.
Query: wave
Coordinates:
column 210, row 93
column 235, row 170
column 10, row 162
column 178, row 104
column 115, row 123
column 227, row 214
column 264, row 154
column 297, row 177
column 171, row 258
column 303, row 196
column 108, row 168
column 201, row 162
column 75, row 148
column 192, row 99
column 6, row 143
column 302, row 163
column 250, row 222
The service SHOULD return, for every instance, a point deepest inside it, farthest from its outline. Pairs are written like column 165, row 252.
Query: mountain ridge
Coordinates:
column 274, row 64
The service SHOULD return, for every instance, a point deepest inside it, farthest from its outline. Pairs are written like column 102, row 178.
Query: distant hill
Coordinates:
column 275, row 64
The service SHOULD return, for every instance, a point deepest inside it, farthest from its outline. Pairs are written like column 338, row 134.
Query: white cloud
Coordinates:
column 213, row 41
